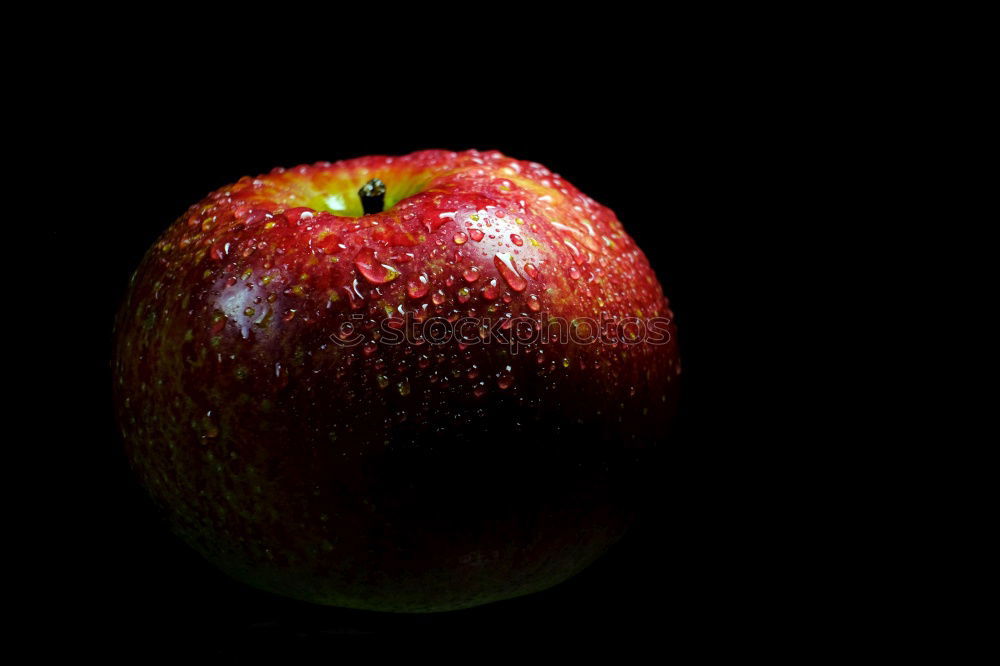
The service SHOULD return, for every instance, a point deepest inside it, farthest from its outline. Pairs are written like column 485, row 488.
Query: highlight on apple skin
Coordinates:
column 424, row 393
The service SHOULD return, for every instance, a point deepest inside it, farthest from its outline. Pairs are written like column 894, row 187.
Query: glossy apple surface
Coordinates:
column 293, row 436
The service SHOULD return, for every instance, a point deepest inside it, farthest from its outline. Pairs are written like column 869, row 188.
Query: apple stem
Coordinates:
column 372, row 196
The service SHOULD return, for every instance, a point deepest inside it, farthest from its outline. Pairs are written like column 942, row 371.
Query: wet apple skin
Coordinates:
column 409, row 477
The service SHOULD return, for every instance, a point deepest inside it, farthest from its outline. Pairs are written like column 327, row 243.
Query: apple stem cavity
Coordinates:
column 372, row 196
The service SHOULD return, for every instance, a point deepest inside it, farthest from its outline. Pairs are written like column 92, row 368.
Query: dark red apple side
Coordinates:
column 290, row 438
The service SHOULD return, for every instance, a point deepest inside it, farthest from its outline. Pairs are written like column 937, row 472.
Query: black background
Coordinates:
column 686, row 164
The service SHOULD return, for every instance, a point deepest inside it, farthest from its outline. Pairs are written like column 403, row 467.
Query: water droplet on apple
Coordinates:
column 516, row 240
column 508, row 271
column 531, row 271
column 534, row 304
column 471, row 274
column 460, row 238
column 354, row 296
column 476, row 234
column 367, row 263
column 491, row 291
column 417, row 286
column 577, row 255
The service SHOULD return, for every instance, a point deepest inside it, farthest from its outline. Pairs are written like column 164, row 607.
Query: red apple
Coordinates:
column 434, row 405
